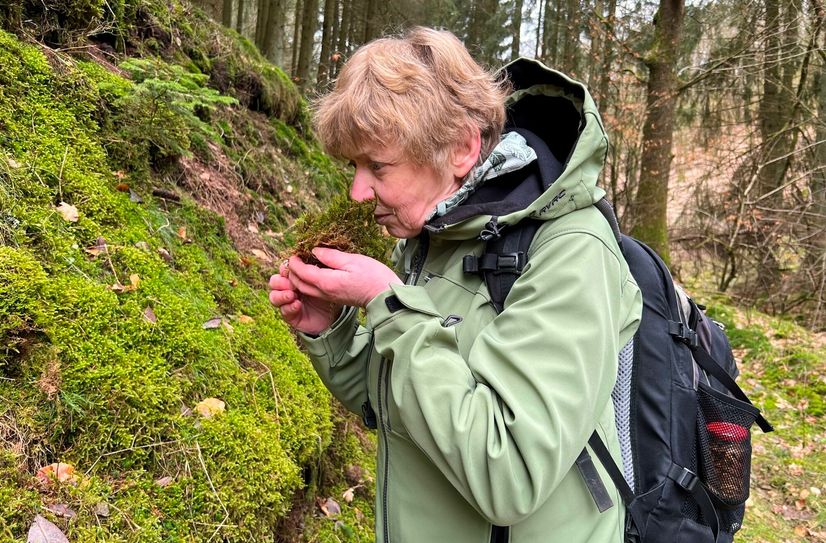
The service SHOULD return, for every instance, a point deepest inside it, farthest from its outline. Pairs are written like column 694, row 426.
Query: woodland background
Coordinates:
column 156, row 155
column 716, row 110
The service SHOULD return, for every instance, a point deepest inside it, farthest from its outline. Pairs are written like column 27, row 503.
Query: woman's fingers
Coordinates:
column 279, row 297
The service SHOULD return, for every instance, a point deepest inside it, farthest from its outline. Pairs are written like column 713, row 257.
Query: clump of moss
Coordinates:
column 345, row 225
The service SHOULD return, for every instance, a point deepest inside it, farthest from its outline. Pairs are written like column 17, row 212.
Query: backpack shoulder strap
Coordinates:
column 504, row 259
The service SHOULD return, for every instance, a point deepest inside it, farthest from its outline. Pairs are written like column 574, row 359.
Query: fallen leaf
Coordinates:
column 801, row 531
column 13, row 163
column 43, row 531
column 119, row 174
column 119, row 288
column 61, row 510
column 122, row 187
column 261, row 255
column 101, row 509
column 68, row 212
column 164, row 481
column 59, row 471
column 165, row 254
column 182, row 233
column 142, row 245
column 252, row 227
column 95, row 250
column 212, row 324
column 349, row 495
column 210, row 407
column 245, row 319
column 329, row 507
column 149, row 315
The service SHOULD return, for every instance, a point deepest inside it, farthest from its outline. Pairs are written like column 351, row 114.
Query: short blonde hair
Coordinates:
column 422, row 92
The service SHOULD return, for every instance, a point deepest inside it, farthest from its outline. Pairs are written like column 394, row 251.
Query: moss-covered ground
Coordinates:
column 128, row 297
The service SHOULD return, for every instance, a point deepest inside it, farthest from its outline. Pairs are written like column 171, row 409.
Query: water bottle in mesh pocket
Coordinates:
column 724, row 437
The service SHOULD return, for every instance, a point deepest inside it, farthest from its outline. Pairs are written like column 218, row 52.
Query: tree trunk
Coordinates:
column 296, row 37
column 538, row 50
column 651, row 223
column 326, row 42
column 261, row 22
column 816, row 257
column 239, row 17
column 516, row 29
column 370, row 21
column 604, row 86
column 305, row 56
column 570, row 39
column 355, row 32
column 553, row 20
column 226, row 13
column 273, row 31
column 774, row 105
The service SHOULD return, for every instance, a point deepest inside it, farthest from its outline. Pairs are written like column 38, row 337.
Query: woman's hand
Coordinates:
column 304, row 313
column 311, row 298
column 350, row 279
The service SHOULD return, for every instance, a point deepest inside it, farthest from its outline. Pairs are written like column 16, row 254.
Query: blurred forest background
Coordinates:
column 715, row 110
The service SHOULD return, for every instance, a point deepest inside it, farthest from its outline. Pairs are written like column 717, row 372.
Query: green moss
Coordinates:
column 105, row 338
column 18, row 499
column 344, row 225
column 21, row 283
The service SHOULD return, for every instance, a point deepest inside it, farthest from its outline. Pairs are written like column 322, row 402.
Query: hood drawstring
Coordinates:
column 492, row 230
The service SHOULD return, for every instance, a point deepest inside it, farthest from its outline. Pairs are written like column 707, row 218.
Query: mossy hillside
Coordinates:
column 107, row 343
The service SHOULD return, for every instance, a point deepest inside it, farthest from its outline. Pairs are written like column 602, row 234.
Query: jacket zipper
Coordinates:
column 383, row 426
column 384, row 382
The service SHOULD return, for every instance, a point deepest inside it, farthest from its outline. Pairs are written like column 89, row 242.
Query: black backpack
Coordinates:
column 682, row 421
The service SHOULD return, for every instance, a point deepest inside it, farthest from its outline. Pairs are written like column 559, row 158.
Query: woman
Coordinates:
column 480, row 415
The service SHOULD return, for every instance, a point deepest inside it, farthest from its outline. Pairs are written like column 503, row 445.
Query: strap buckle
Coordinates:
column 510, row 263
column 683, row 333
column 684, row 477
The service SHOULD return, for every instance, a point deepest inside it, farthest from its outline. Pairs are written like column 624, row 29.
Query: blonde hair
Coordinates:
column 422, row 92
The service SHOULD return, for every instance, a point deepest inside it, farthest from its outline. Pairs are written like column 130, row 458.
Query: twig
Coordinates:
column 148, row 446
column 209, row 480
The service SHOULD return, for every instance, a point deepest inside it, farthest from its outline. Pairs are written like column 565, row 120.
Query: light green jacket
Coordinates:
column 480, row 420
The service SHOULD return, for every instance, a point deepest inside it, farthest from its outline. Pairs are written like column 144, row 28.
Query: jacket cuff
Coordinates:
column 339, row 333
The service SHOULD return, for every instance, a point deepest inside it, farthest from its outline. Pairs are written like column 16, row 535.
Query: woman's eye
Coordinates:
column 376, row 166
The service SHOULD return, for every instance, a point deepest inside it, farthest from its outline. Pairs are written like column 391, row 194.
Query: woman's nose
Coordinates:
column 361, row 190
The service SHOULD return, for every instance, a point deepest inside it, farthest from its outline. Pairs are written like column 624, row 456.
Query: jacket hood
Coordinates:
column 559, row 120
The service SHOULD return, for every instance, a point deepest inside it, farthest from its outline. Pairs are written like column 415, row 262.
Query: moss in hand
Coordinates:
column 344, row 225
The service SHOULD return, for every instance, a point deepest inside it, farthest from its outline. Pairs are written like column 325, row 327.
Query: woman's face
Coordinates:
column 405, row 193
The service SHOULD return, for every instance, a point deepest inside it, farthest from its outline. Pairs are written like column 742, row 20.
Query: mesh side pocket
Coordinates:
column 724, row 445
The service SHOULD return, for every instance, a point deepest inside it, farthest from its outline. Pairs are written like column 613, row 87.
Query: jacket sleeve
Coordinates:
column 507, row 433
column 340, row 356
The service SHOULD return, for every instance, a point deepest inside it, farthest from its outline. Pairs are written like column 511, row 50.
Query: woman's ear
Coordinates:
column 466, row 153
